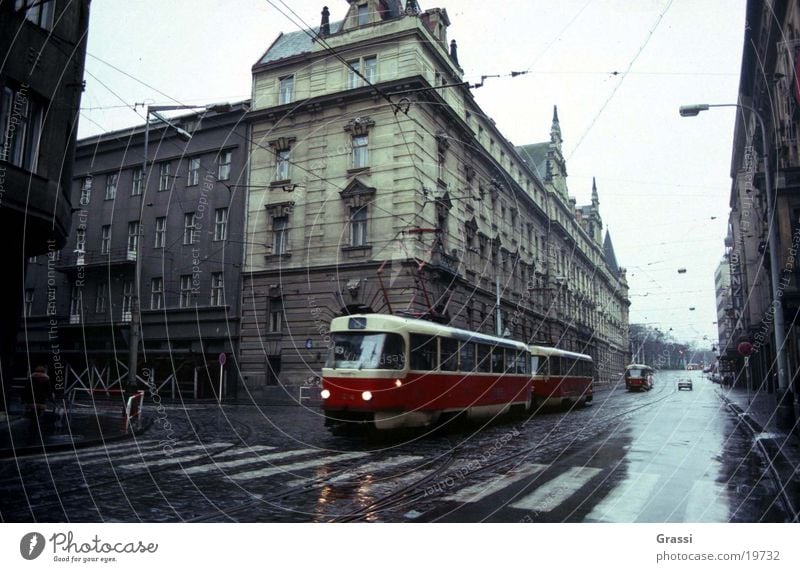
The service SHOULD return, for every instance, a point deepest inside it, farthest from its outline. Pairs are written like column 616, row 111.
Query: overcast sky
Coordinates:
column 617, row 69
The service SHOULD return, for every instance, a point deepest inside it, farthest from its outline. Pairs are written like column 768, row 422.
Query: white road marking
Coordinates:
column 707, row 502
column 269, row 471
column 556, row 491
column 480, row 491
column 160, row 450
column 626, row 502
column 244, row 451
column 252, row 460
column 142, row 463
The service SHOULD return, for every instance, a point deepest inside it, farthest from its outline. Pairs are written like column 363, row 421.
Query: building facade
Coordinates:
column 768, row 90
column 176, row 220
column 43, row 43
column 722, row 288
column 377, row 184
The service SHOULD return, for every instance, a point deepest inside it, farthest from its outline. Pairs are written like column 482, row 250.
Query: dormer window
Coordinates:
column 363, row 14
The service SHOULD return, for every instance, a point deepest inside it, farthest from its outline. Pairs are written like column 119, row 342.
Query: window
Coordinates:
column 224, row 166
column 75, row 306
column 156, row 293
column 186, row 291
column 40, row 12
column 423, row 352
column 217, row 289
column 127, row 300
column 105, row 239
column 371, row 68
column 449, row 354
column 20, row 144
column 31, row 260
column 282, row 165
column 360, row 151
column 189, row 232
column 111, row 186
column 221, row 224
column 280, row 234
column 194, row 172
column 164, row 176
column 275, row 313
column 54, row 255
column 29, row 294
column 100, row 298
column 133, row 236
column 352, row 350
column 364, row 67
column 498, row 360
column 467, row 354
column 285, row 89
column 80, row 240
column 86, row 189
column 358, row 226
column 363, row 14
column 136, row 185
column 161, row 232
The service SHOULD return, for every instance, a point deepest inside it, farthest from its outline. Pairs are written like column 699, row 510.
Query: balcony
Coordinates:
column 94, row 259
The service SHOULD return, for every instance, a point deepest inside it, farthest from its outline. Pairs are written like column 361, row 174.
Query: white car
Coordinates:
column 685, row 383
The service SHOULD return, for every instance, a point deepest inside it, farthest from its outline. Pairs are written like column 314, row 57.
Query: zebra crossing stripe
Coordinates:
column 556, row 491
column 83, row 452
column 626, row 502
column 480, row 491
column 269, row 471
column 213, row 466
column 708, row 501
column 159, row 449
column 364, row 470
column 244, row 451
column 142, row 463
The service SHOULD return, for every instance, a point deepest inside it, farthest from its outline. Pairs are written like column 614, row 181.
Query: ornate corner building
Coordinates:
column 377, row 184
column 769, row 88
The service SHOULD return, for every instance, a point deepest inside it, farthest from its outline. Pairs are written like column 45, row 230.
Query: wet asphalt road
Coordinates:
column 659, row 456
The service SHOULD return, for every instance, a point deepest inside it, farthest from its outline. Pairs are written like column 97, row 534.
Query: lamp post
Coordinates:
column 135, row 327
column 785, row 411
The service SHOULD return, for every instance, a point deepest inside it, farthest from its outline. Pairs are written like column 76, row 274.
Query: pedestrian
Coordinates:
column 39, row 393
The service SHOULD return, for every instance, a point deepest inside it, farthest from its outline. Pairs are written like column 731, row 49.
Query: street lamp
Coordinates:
column 785, row 409
column 135, row 327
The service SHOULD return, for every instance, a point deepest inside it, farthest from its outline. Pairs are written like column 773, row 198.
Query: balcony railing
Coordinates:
column 95, row 258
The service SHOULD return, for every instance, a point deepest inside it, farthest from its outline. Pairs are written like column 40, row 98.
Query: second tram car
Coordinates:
column 639, row 377
column 394, row 372
column 560, row 377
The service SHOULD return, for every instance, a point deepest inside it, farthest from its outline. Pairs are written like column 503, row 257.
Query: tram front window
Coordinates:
column 366, row 351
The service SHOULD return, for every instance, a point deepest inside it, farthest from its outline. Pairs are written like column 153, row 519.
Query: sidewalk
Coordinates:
column 21, row 435
column 781, row 447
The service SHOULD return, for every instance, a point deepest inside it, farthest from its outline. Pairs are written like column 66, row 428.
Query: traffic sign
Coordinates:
column 222, row 358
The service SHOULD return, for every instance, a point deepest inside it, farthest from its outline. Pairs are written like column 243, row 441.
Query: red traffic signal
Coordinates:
column 745, row 348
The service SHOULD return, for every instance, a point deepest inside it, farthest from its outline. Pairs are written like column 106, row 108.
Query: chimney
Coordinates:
column 411, row 7
column 454, row 52
column 325, row 27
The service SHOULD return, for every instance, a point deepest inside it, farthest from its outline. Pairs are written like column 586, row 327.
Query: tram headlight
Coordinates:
column 324, row 394
column 366, row 396
column 397, row 383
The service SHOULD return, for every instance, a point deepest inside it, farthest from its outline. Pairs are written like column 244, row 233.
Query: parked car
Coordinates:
column 685, row 383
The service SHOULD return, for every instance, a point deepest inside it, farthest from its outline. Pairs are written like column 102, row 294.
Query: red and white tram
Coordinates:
column 560, row 377
column 639, row 377
column 398, row 372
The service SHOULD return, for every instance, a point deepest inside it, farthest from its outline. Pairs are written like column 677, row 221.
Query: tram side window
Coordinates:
column 555, row 366
column 484, row 358
column 423, row 352
column 544, row 367
column 467, row 357
column 522, row 362
column 498, row 360
column 534, row 365
column 449, row 354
